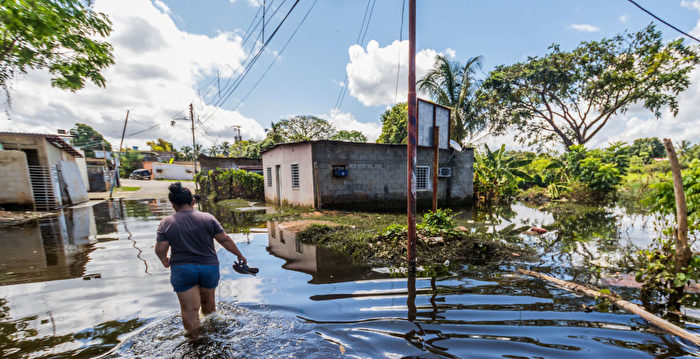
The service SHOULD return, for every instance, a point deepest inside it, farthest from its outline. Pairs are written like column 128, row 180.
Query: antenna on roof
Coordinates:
column 454, row 144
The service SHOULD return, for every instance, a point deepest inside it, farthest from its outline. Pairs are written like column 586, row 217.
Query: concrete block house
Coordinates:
column 337, row 174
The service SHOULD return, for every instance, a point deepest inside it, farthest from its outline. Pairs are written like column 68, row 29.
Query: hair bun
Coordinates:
column 175, row 187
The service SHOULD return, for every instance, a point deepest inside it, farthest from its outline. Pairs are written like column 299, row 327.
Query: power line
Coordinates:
column 398, row 60
column 277, row 57
column 361, row 40
column 250, row 65
column 667, row 24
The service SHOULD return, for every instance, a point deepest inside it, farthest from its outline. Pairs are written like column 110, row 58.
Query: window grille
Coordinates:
column 295, row 175
column 269, row 176
column 422, row 178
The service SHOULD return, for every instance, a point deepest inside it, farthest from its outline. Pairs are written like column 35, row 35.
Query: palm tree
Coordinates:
column 225, row 148
column 187, row 152
column 452, row 84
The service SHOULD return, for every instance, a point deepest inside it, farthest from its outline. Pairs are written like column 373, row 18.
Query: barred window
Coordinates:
column 422, row 178
column 295, row 175
column 269, row 176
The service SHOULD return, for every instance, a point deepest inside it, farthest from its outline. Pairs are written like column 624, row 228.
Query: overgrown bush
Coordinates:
column 659, row 275
column 221, row 184
column 497, row 175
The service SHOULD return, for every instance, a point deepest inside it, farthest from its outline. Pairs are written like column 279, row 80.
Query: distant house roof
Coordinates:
column 53, row 139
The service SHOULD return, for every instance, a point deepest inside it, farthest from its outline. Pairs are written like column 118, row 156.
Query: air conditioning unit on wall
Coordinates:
column 445, row 172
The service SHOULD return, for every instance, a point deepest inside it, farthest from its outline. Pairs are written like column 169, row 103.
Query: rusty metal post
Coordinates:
column 436, row 154
column 412, row 139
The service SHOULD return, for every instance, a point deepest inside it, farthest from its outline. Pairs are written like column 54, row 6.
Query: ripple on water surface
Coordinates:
column 233, row 332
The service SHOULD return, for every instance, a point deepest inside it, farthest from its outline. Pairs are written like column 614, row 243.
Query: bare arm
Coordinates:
column 162, row 252
column 230, row 245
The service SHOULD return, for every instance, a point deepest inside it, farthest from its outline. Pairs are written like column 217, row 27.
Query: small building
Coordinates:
column 337, row 174
column 249, row 164
column 170, row 171
column 43, row 165
column 157, row 156
column 99, row 175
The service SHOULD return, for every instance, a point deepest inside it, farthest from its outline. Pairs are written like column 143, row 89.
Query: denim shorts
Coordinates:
column 186, row 276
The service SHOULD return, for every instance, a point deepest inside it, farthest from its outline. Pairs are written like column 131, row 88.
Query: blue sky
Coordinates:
column 306, row 79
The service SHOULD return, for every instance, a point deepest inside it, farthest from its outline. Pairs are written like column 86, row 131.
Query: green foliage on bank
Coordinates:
column 218, row 184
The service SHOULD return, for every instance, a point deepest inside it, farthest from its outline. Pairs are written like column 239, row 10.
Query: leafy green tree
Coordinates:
column 88, row 139
column 186, row 153
column 301, row 128
column 225, row 148
column 351, row 136
column 648, row 148
column 394, row 124
column 453, row 84
column 600, row 171
column 161, row 145
column 129, row 161
column 570, row 96
column 62, row 36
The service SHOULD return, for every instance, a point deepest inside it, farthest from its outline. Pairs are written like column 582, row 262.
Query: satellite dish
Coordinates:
column 455, row 145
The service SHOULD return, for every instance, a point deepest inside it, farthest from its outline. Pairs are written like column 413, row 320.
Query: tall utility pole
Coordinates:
column 412, row 138
column 115, row 175
column 194, row 146
column 263, row 23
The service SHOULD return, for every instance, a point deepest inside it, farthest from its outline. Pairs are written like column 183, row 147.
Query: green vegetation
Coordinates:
column 220, row 184
column 498, row 175
column 62, row 37
column 89, row 140
column 380, row 238
column 129, row 161
column 394, row 124
column 128, row 188
column 569, row 96
column 160, row 145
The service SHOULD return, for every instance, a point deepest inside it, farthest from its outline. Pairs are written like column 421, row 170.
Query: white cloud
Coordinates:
column 584, row 27
column 624, row 18
column 152, row 76
column 372, row 72
column 346, row 121
column 254, row 3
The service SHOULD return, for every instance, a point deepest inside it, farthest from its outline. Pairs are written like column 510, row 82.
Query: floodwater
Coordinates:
column 86, row 283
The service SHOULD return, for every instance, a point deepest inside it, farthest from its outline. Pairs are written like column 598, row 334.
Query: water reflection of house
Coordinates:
column 52, row 248
column 324, row 265
column 41, row 171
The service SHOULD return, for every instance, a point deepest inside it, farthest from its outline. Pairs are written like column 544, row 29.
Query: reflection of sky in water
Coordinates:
column 305, row 312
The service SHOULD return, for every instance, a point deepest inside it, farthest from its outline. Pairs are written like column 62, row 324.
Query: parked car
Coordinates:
column 142, row 174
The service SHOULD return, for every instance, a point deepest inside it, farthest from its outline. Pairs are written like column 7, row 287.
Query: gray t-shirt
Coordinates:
column 191, row 237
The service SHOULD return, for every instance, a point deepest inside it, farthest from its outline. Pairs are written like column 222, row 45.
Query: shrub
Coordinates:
column 231, row 183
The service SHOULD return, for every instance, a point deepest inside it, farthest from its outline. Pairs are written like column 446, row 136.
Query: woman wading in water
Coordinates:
column 194, row 266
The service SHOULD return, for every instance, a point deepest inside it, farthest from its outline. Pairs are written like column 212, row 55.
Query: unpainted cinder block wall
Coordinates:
column 377, row 175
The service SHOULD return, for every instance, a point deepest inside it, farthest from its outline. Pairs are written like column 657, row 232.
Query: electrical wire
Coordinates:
column 398, row 60
column 276, row 57
column 360, row 40
column 667, row 24
column 250, row 65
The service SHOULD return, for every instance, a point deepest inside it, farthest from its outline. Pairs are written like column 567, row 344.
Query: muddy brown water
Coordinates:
column 86, row 283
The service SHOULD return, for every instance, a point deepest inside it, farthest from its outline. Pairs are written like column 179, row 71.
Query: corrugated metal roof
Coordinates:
column 51, row 138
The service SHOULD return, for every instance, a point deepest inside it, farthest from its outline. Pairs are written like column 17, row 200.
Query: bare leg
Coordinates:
column 189, row 304
column 208, row 300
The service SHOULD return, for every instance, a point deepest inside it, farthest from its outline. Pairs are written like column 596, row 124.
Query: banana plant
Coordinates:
column 497, row 174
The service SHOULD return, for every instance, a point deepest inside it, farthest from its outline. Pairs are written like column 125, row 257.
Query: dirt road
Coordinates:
column 147, row 189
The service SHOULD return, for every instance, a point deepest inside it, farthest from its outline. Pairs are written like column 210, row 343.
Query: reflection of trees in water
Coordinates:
column 18, row 339
column 585, row 225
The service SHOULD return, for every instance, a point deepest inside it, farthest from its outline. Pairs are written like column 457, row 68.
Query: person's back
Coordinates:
column 190, row 234
column 193, row 263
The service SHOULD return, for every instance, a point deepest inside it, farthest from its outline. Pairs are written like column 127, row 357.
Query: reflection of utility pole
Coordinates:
column 115, row 175
column 194, row 145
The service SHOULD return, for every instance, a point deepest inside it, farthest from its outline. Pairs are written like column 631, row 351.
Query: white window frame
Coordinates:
column 269, row 176
column 298, row 177
column 428, row 182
